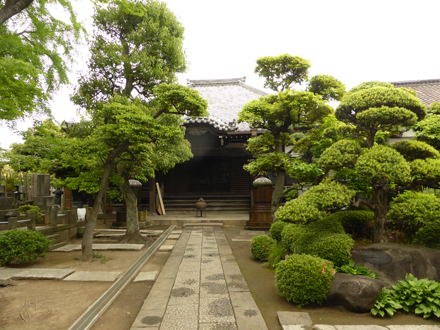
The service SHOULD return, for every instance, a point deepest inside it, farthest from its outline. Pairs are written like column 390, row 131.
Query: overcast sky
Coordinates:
column 355, row 41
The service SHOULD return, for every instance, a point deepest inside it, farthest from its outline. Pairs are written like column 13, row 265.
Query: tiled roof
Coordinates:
column 213, row 121
column 428, row 91
column 226, row 98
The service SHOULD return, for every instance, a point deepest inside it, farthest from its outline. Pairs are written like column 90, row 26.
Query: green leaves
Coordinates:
column 360, row 270
column 327, row 86
column 282, row 71
column 412, row 296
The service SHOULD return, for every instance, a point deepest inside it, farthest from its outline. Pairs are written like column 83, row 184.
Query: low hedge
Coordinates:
column 357, row 223
column 20, row 246
column 429, row 236
column 290, row 234
column 260, row 246
column 276, row 229
column 304, row 279
column 328, row 225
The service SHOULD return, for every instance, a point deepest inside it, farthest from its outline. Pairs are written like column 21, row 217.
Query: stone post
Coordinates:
column 74, row 217
column 53, row 214
column 47, row 215
column 32, row 223
column 12, row 223
column 67, row 216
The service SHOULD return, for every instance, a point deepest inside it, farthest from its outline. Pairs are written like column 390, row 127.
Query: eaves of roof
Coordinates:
column 224, row 82
column 428, row 90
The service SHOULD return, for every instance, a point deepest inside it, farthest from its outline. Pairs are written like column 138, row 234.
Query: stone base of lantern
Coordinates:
column 259, row 219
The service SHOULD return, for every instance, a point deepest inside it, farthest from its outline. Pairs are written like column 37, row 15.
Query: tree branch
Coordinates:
column 12, row 8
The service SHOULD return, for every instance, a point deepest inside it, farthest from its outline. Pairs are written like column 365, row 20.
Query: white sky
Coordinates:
column 355, row 41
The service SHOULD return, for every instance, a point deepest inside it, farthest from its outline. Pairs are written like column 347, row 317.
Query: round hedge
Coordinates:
column 20, row 246
column 328, row 225
column 290, row 234
column 299, row 211
column 276, row 228
column 429, row 236
column 260, row 246
column 335, row 248
column 304, row 279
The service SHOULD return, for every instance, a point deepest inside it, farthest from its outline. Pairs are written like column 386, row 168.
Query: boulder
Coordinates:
column 354, row 292
column 393, row 261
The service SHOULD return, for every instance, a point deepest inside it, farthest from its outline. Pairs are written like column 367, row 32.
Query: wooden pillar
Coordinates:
column 68, row 200
column 152, row 194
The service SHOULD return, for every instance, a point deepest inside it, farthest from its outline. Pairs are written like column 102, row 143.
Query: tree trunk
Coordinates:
column 12, row 8
column 86, row 247
column 278, row 187
column 133, row 234
column 380, row 215
column 278, row 190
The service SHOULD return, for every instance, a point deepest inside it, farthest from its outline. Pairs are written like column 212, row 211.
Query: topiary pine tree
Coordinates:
column 378, row 171
column 283, row 113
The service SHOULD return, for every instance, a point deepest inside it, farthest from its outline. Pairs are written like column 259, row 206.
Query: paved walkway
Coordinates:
column 200, row 287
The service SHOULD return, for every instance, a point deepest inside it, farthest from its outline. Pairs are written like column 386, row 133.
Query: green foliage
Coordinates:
column 370, row 84
column 261, row 245
column 276, row 229
column 341, row 154
column 30, row 208
column 383, row 165
column 428, row 130
column 140, row 41
column 411, row 211
column 328, row 195
column 282, row 71
column 303, row 279
column 412, row 150
column 360, row 270
column 32, row 68
column 333, row 247
column 426, row 173
column 328, row 225
column 291, row 233
column 21, row 246
column 276, row 254
column 412, row 296
column 356, row 223
column 327, row 86
column 299, row 211
column 429, row 235
column 434, row 108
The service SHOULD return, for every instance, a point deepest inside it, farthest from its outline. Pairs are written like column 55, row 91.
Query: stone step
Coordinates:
column 200, row 224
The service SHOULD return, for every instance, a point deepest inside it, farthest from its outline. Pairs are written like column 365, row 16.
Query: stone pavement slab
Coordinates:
column 294, row 318
column 413, row 327
column 173, row 236
column 68, row 248
column 84, row 276
column 241, row 239
column 43, row 274
column 8, row 273
column 166, row 247
column 131, row 247
column 146, row 276
column 360, row 327
column 324, row 327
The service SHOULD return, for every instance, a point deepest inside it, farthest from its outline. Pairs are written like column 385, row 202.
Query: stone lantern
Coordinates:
column 260, row 216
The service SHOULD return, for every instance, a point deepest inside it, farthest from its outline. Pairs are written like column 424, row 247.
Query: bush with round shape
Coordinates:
column 304, row 241
column 260, row 246
column 304, row 279
column 31, row 208
column 429, row 236
column 357, row 223
column 411, row 211
column 299, row 211
column 335, row 248
column 291, row 233
column 21, row 246
column 276, row 228
column 328, row 225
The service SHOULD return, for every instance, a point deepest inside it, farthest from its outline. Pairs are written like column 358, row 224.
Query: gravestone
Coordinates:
column 41, row 190
column 6, row 203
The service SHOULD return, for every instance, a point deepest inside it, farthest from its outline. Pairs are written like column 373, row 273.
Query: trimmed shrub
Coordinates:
column 411, row 211
column 299, row 211
column 304, row 279
column 357, row 223
column 335, row 248
column 276, row 228
column 328, row 225
column 291, row 233
column 20, row 246
column 31, row 208
column 260, row 246
column 429, row 236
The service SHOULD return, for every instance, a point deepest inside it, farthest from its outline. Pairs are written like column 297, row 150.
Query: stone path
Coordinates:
column 200, row 287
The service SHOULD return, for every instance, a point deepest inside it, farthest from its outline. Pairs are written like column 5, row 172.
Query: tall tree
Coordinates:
column 284, row 113
column 135, row 55
column 379, row 171
column 36, row 50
